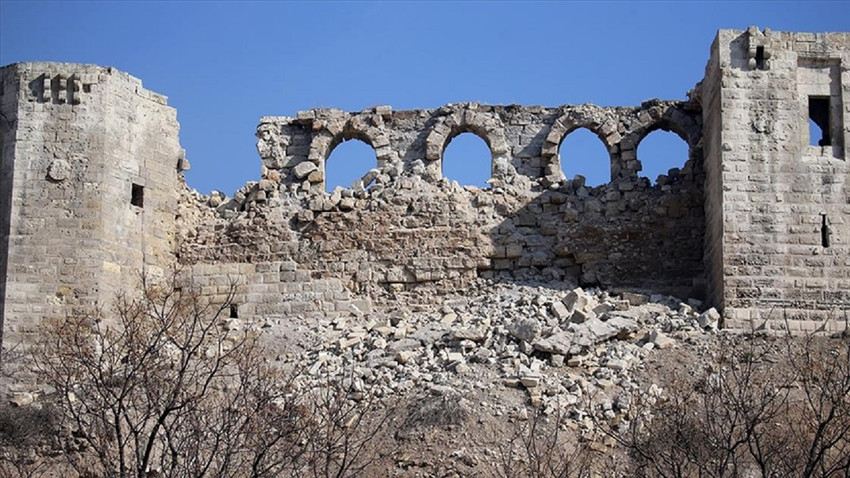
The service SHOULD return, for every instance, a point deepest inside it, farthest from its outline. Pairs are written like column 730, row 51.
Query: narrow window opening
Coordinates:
column 819, row 121
column 760, row 57
column 467, row 159
column 137, row 196
column 824, row 231
column 234, row 311
column 584, row 154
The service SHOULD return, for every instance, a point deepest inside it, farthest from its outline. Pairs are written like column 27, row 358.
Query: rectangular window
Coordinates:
column 760, row 57
column 819, row 126
column 137, row 195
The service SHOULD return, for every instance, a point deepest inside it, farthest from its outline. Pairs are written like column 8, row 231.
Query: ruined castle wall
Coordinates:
column 523, row 141
column 403, row 229
column 79, row 138
column 755, row 220
column 786, row 208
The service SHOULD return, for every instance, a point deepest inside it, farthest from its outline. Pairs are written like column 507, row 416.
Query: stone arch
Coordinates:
column 560, row 129
column 585, row 165
column 661, row 153
column 486, row 125
column 641, row 132
column 467, row 159
column 349, row 164
column 364, row 127
column 687, row 125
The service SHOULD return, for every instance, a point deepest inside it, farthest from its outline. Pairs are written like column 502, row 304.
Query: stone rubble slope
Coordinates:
column 567, row 349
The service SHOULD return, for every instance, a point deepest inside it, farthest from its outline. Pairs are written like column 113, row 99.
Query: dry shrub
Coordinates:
column 158, row 386
column 346, row 425
column 439, row 408
column 762, row 409
column 27, row 441
column 543, row 447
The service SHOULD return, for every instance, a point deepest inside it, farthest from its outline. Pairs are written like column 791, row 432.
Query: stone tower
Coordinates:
column 775, row 136
column 88, row 186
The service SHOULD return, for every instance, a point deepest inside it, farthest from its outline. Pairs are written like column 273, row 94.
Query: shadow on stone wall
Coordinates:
column 627, row 237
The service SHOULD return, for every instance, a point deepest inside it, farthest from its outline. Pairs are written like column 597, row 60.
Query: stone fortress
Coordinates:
column 756, row 221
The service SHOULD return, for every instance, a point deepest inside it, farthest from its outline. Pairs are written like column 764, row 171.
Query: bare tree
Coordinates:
column 820, row 431
column 158, row 386
column 772, row 408
column 161, row 386
column 345, row 428
column 541, row 448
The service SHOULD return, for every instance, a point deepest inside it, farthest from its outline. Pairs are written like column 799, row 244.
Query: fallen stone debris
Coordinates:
column 571, row 351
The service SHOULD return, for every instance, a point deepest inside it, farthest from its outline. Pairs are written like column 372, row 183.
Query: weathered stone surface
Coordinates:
column 404, row 345
column 302, row 169
column 559, row 310
column 709, row 319
column 661, row 340
column 526, row 329
column 560, row 343
column 594, row 331
column 731, row 226
column 59, row 170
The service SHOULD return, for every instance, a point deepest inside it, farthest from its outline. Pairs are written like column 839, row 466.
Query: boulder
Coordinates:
column 304, row 168
column 526, row 329
column 559, row 343
column 709, row 319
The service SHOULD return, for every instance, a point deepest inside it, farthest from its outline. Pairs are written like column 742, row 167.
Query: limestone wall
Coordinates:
column 754, row 221
column 403, row 229
column 90, row 182
column 785, row 234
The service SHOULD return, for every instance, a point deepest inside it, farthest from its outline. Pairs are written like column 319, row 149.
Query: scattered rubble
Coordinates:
column 569, row 350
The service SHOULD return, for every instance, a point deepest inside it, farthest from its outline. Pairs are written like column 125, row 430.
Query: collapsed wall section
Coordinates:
column 404, row 230
column 777, row 121
column 757, row 213
column 90, row 184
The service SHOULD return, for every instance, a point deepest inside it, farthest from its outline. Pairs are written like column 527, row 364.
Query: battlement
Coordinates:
column 755, row 221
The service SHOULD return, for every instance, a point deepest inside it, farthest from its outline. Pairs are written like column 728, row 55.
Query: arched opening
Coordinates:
column 467, row 159
column 583, row 153
column 347, row 163
column 659, row 152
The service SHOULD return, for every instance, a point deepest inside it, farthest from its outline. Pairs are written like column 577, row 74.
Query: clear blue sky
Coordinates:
column 223, row 65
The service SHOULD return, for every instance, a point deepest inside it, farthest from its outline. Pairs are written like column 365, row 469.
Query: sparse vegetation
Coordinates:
column 542, row 447
column 26, row 438
column 162, row 386
column 765, row 408
column 165, row 384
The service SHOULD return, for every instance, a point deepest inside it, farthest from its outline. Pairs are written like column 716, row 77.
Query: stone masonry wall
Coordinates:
column 782, row 251
column 89, row 181
column 402, row 229
column 755, row 221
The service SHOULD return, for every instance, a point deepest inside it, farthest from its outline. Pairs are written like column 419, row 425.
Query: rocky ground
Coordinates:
column 485, row 383
column 467, row 374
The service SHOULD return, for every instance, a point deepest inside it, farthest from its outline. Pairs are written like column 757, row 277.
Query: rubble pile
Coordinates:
column 567, row 349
